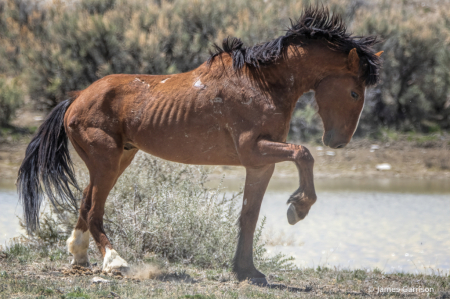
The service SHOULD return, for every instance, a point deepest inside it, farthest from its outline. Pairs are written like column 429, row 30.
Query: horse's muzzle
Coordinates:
column 331, row 139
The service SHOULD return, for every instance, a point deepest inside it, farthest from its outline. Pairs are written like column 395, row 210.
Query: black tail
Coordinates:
column 47, row 167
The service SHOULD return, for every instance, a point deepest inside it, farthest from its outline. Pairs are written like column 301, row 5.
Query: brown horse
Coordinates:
column 233, row 109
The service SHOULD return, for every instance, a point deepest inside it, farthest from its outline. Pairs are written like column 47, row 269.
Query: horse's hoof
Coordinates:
column 261, row 281
column 292, row 215
column 113, row 261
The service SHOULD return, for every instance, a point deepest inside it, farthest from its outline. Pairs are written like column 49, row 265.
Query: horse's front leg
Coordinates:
column 259, row 161
column 256, row 183
column 267, row 152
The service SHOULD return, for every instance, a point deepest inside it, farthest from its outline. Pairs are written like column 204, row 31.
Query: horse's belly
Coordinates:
column 203, row 147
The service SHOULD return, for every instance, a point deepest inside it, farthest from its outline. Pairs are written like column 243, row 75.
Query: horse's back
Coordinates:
column 165, row 115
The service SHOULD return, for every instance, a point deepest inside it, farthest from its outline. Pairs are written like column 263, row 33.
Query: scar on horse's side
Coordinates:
column 234, row 109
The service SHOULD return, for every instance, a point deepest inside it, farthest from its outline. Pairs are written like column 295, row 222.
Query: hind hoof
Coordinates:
column 113, row 261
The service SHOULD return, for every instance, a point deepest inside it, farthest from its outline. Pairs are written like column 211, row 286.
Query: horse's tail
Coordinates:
column 47, row 168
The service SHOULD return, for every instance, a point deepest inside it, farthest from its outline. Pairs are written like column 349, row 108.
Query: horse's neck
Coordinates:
column 301, row 70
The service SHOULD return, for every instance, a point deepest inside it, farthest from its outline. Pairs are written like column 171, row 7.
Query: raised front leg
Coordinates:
column 256, row 183
column 269, row 152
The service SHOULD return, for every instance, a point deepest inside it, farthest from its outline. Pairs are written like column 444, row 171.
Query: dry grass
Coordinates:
column 41, row 277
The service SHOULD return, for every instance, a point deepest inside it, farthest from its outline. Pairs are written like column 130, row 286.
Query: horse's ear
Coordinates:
column 379, row 53
column 353, row 61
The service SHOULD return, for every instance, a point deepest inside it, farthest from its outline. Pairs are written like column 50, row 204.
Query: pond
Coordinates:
column 396, row 225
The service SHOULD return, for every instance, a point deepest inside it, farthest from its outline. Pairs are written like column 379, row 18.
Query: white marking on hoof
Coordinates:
column 199, row 84
column 78, row 244
column 164, row 81
column 113, row 261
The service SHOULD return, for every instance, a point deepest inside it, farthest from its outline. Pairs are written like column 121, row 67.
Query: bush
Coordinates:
column 75, row 44
column 11, row 98
column 165, row 208
column 414, row 92
column 60, row 46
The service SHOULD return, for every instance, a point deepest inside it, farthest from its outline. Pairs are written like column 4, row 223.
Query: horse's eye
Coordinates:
column 354, row 95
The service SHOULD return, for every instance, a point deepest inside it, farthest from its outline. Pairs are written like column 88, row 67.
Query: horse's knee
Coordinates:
column 304, row 156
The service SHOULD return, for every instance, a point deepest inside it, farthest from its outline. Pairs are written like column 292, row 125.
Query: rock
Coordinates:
column 97, row 279
column 319, row 148
column 374, row 147
column 330, row 153
column 384, row 166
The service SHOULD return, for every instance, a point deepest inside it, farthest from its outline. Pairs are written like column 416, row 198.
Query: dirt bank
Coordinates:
column 54, row 278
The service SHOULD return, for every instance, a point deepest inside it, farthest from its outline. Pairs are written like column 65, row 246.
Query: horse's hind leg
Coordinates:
column 103, row 183
column 105, row 165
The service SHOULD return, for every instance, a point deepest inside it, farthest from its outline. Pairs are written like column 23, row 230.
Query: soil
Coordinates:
column 46, row 279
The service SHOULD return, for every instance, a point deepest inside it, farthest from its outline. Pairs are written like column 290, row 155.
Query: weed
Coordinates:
column 359, row 274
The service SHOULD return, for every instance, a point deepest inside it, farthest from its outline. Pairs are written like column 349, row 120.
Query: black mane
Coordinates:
column 314, row 23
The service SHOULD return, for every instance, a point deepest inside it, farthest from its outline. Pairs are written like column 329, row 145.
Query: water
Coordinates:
column 9, row 210
column 395, row 225
column 395, row 232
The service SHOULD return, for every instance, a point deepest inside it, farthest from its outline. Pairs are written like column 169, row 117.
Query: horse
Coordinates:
column 234, row 109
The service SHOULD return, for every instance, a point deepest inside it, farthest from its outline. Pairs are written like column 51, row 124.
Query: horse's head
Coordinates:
column 340, row 98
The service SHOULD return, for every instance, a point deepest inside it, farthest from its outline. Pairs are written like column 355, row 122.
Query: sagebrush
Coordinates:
column 56, row 47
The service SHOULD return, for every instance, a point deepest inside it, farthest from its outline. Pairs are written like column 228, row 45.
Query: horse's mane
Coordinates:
column 314, row 23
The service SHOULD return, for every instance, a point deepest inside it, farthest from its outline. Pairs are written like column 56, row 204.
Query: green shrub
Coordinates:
column 60, row 46
column 414, row 92
column 11, row 98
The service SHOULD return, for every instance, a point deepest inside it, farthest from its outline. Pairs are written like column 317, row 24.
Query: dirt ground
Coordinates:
column 44, row 278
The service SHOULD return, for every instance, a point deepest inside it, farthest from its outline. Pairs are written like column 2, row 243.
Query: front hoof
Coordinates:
column 292, row 215
column 261, row 281
column 113, row 261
